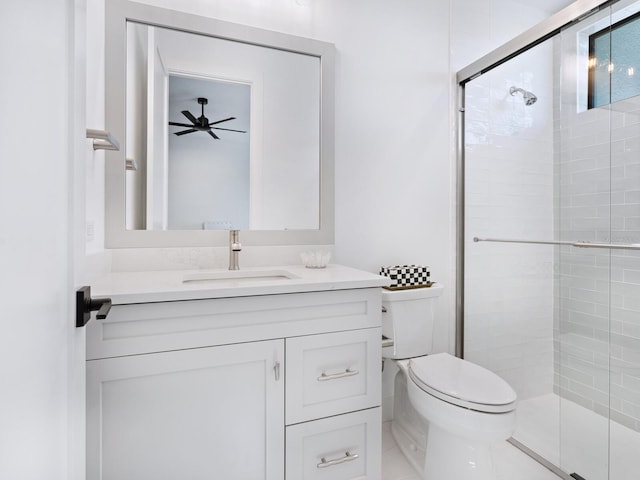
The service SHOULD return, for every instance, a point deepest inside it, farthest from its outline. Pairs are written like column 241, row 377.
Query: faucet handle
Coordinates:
column 234, row 241
column 234, row 247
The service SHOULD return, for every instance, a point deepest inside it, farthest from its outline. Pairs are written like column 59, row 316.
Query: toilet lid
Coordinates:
column 462, row 383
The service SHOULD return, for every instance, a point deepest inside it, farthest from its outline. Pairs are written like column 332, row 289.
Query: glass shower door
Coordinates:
column 583, row 163
column 624, row 333
column 559, row 322
column 552, row 241
column 510, row 194
column 598, row 317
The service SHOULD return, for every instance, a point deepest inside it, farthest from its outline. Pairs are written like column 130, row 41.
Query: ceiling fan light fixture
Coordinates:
column 202, row 124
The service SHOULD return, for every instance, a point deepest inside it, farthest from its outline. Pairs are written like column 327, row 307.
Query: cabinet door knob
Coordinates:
column 85, row 305
column 348, row 457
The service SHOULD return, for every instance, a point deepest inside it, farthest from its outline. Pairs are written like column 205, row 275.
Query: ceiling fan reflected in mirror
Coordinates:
column 202, row 124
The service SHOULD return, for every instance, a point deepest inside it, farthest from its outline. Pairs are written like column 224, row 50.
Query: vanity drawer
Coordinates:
column 332, row 373
column 344, row 447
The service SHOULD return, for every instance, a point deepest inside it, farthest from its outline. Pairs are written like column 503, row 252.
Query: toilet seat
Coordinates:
column 462, row 383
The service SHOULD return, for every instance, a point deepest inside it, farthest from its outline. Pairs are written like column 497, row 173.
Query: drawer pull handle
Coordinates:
column 348, row 457
column 347, row 373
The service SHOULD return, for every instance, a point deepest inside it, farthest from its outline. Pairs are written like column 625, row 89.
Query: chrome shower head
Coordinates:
column 528, row 97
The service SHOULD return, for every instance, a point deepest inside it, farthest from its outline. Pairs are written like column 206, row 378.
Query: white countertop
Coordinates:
column 169, row 285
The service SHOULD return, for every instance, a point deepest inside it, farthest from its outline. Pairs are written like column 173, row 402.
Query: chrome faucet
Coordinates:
column 234, row 248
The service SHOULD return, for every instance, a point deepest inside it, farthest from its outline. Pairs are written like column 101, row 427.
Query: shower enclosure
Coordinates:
column 549, row 234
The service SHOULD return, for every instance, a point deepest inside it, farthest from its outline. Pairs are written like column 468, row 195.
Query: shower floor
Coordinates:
column 578, row 440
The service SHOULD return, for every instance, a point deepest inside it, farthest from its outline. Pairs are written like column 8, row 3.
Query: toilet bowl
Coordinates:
column 447, row 411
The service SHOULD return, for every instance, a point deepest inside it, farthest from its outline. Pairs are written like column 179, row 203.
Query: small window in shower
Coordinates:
column 614, row 62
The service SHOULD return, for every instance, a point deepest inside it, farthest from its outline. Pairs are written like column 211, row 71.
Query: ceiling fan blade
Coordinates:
column 184, row 132
column 176, row 124
column 220, row 121
column 191, row 118
column 213, row 135
column 229, row 129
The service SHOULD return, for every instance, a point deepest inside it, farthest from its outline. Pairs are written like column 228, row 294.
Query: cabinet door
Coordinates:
column 332, row 373
column 194, row 414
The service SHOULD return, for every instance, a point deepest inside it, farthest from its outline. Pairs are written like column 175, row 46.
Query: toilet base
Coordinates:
column 412, row 450
column 408, row 428
column 456, row 458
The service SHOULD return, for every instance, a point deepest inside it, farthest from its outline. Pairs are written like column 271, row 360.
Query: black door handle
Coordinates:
column 85, row 305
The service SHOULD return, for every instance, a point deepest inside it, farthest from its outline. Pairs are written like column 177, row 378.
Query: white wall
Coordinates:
column 393, row 125
column 480, row 26
column 208, row 183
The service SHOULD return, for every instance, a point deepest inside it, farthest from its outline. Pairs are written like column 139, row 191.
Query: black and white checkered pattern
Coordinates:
column 403, row 276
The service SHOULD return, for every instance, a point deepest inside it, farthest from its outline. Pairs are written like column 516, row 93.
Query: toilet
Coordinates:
column 447, row 411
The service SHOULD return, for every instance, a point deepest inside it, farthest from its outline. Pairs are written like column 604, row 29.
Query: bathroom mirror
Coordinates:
column 261, row 162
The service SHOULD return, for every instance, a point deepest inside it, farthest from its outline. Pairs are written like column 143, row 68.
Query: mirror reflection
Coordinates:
column 223, row 134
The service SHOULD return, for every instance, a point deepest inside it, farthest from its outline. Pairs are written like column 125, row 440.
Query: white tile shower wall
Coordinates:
column 597, row 348
column 509, row 189
column 625, row 265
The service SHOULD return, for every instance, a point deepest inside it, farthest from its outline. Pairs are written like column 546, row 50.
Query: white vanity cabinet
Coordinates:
column 263, row 387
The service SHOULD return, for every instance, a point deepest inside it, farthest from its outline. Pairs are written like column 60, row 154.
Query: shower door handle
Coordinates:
column 611, row 246
column 578, row 244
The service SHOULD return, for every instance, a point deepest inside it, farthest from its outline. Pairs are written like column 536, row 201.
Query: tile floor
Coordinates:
column 511, row 463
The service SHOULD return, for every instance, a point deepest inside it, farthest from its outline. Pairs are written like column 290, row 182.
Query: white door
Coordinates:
column 41, row 430
column 201, row 413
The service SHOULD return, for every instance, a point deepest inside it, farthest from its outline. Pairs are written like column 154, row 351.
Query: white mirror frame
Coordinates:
column 118, row 12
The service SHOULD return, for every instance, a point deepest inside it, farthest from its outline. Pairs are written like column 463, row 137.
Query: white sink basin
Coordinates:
column 238, row 276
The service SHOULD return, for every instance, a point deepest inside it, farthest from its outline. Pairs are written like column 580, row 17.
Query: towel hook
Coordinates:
column 102, row 140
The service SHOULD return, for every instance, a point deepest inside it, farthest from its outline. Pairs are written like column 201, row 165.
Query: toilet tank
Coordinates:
column 408, row 319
